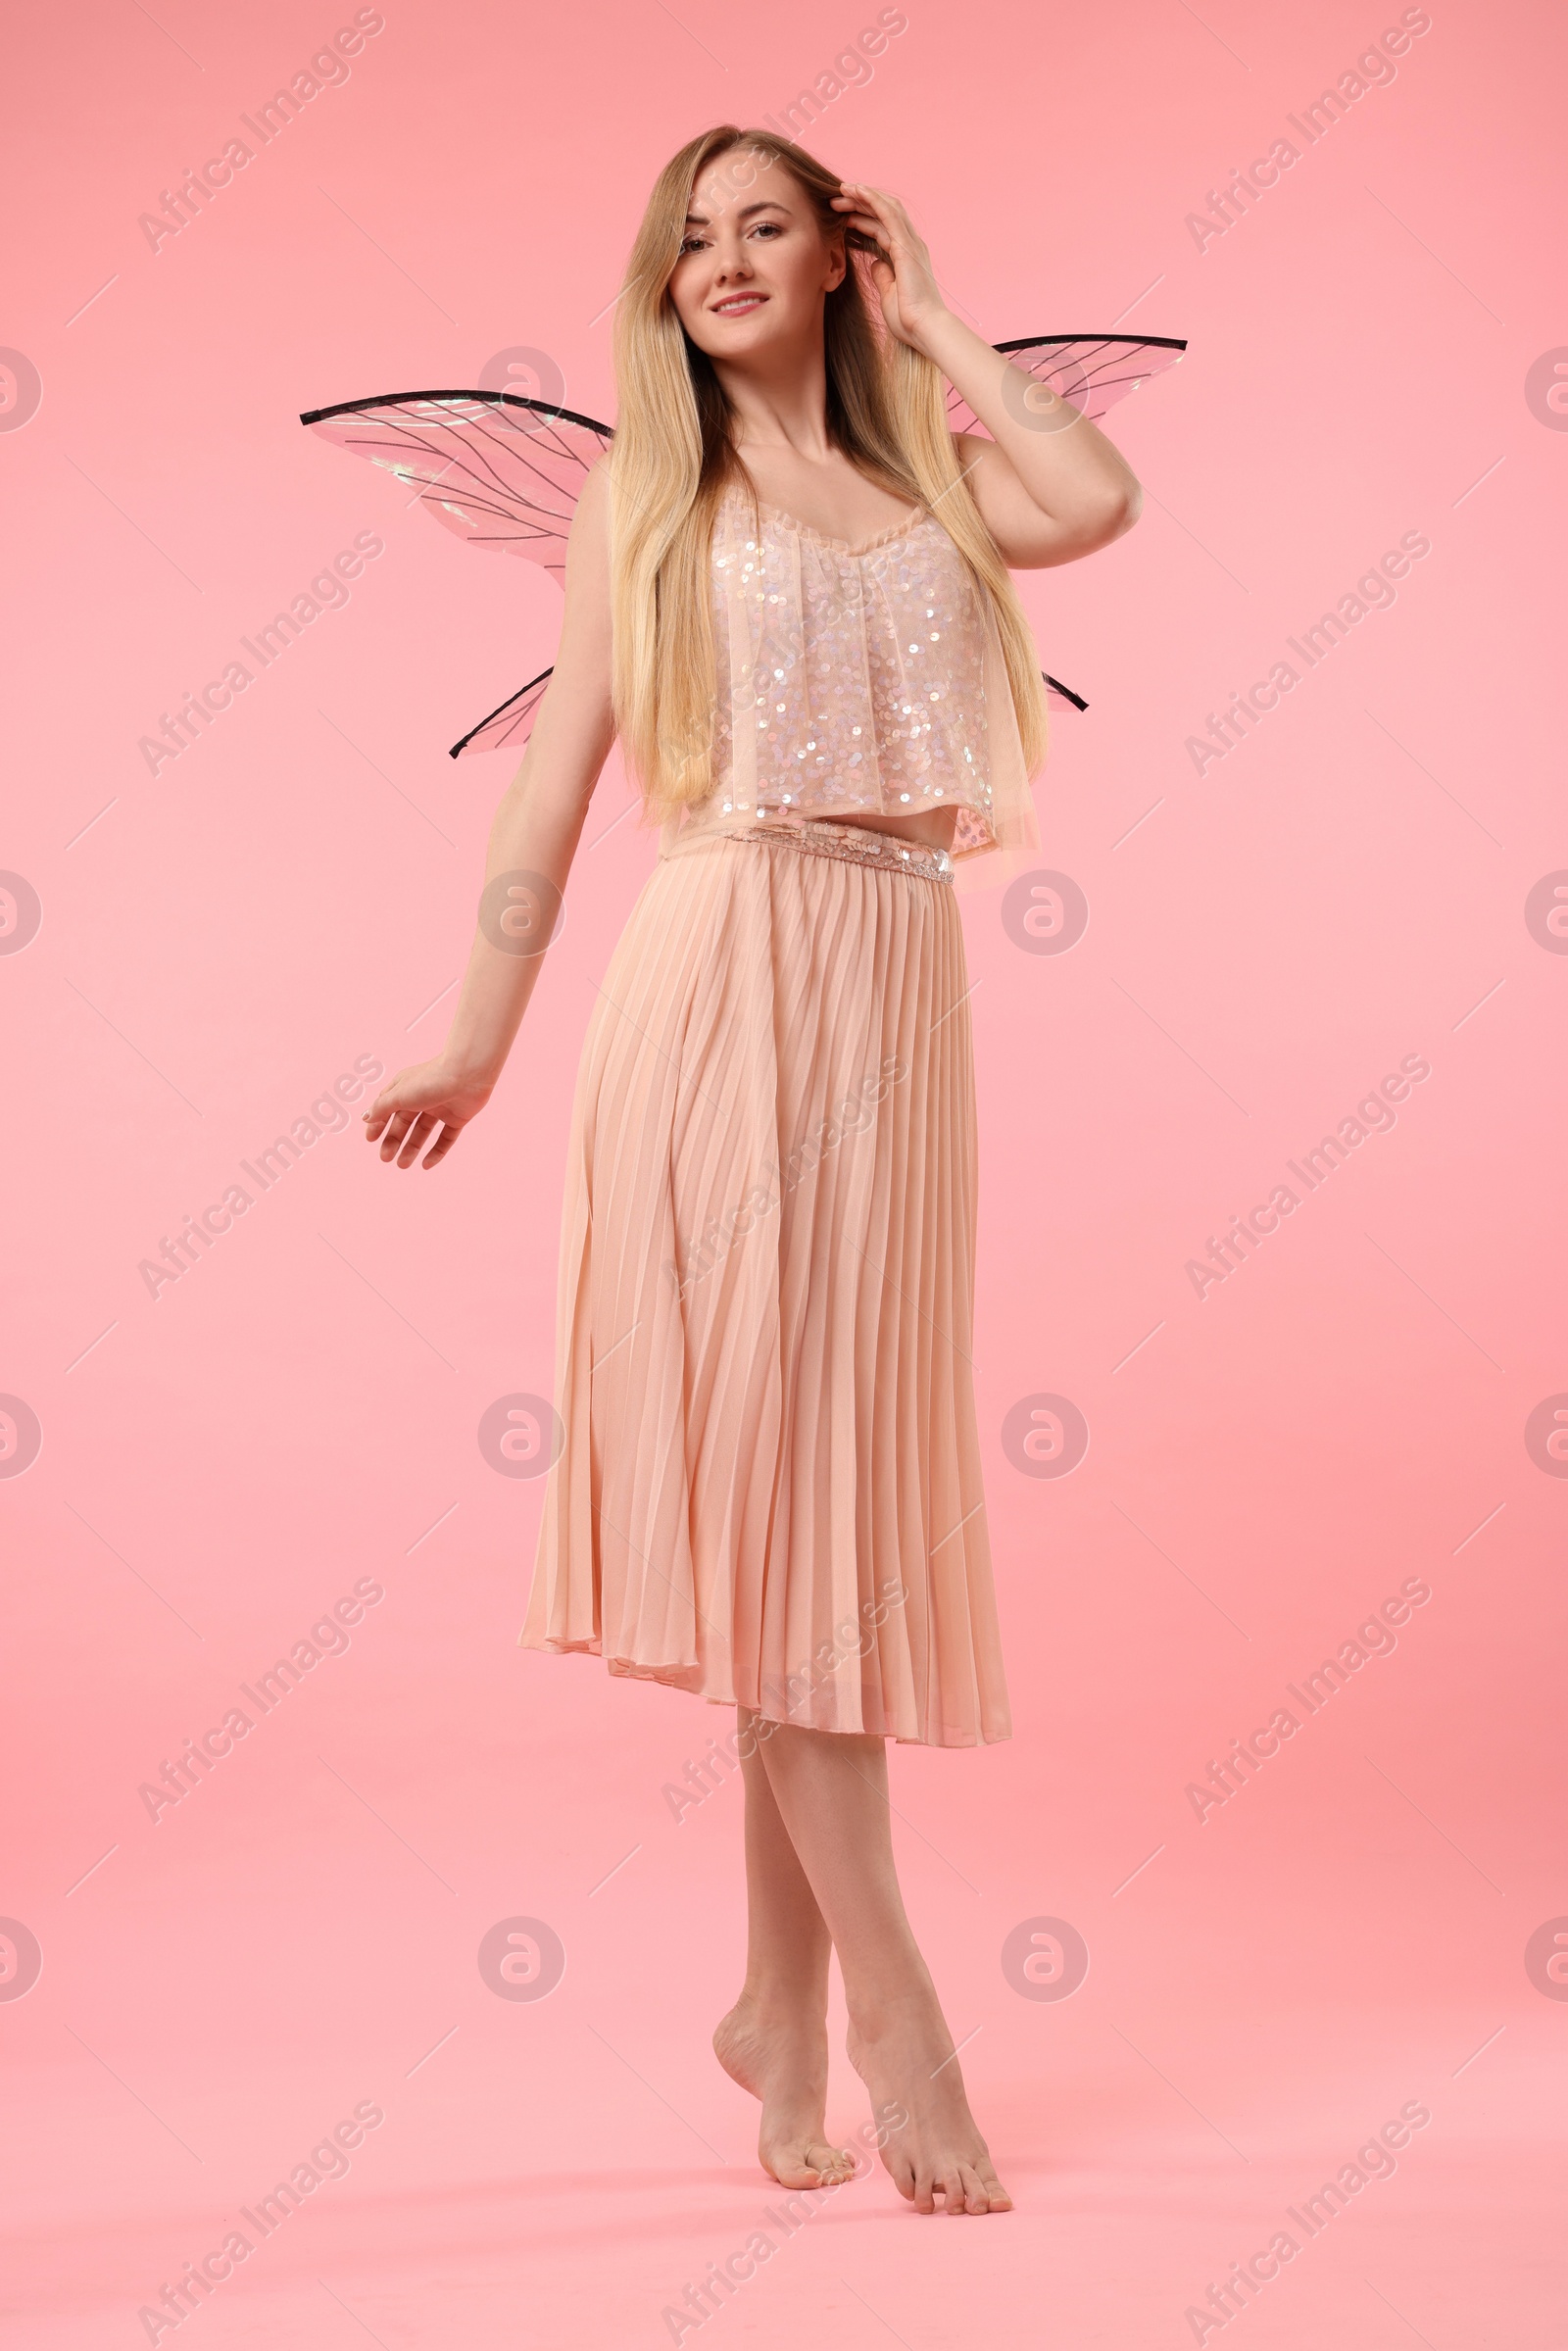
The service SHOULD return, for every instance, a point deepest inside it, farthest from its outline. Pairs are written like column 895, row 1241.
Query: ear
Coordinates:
column 837, row 260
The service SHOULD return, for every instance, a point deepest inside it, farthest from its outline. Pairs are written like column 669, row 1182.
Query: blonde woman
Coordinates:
column 787, row 593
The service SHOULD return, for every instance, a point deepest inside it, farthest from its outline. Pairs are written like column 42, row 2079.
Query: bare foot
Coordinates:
column 904, row 2054
column 783, row 2061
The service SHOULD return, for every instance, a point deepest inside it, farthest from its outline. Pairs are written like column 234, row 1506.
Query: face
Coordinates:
column 754, row 264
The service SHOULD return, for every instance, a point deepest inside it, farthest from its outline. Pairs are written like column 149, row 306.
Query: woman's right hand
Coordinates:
column 406, row 1113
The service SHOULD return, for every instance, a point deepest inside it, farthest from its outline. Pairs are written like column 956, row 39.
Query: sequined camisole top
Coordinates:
column 854, row 680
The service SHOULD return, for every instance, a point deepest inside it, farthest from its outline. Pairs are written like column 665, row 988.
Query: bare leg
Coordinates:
column 774, row 2039
column 832, row 1794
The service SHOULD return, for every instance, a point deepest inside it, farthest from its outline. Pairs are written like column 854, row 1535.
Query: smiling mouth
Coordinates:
column 735, row 304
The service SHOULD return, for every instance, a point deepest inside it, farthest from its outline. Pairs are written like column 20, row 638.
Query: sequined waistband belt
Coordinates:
column 856, row 844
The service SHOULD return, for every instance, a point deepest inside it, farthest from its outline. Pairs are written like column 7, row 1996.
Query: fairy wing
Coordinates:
column 1092, row 371
column 505, row 472
column 509, row 727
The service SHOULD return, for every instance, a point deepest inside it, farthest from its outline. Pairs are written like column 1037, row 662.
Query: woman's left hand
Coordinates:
column 901, row 272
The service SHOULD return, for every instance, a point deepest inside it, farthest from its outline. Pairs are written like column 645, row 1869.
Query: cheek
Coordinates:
column 685, row 297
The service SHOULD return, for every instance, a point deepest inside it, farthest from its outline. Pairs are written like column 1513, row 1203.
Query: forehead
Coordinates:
column 742, row 182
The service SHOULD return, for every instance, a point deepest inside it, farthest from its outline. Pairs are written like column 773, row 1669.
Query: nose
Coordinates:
column 736, row 267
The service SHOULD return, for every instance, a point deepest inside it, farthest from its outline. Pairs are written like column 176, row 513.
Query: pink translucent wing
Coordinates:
column 509, row 727
column 1054, row 685
column 502, row 471
column 1092, row 371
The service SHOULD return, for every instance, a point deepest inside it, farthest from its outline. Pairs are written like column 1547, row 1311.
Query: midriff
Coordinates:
column 935, row 827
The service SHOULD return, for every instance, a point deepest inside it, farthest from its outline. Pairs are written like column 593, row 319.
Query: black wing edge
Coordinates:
column 1034, row 342
column 542, row 408
column 546, row 407
column 459, row 748
column 1054, row 683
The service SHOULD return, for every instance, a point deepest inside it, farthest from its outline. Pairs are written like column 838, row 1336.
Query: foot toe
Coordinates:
column 809, row 2164
column 793, row 2170
column 997, row 2196
column 976, row 2195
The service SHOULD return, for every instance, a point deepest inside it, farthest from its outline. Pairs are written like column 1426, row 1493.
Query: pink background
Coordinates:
column 300, row 1411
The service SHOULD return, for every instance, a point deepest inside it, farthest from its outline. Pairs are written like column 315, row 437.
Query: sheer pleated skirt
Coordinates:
column 769, row 1490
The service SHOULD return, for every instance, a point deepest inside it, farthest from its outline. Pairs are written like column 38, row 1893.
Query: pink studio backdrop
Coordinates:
column 1362, row 1406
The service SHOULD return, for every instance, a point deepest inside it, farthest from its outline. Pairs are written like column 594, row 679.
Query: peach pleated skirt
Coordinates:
column 769, row 1490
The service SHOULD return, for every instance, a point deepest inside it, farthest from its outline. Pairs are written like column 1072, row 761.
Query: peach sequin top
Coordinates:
column 860, row 680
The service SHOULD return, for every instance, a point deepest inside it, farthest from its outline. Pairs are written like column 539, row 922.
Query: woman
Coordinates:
column 787, row 593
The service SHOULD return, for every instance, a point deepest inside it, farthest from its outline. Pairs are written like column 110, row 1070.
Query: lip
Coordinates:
column 728, row 308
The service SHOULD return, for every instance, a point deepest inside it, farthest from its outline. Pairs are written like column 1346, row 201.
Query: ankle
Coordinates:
column 779, row 2001
column 879, row 2009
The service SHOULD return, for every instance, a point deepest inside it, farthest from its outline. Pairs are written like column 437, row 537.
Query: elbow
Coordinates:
column 1112, row 516
column 1121, row 510
column 1103, row 523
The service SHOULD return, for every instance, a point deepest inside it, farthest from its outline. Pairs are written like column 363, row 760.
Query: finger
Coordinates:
column 418, row 1137
column 442, row 1144
column 886, row 208
column 854, row 191
column 397, row 1133
column 384, row 1104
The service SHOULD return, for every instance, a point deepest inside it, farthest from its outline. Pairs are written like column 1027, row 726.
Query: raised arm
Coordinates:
column 1049, row 484
column 533, row 841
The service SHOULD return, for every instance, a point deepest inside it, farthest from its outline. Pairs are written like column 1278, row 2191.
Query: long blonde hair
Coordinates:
column 672, row 457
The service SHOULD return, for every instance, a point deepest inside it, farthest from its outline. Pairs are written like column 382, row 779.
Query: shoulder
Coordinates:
column 588, row 539
column 593, row 499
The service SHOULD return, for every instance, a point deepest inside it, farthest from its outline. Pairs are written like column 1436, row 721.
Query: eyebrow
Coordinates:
column 765, row 205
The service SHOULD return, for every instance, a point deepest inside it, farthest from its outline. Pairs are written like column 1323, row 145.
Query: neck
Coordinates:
column 783, row 407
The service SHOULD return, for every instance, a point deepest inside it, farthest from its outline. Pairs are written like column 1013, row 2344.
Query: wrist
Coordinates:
column 932, row 325
column 466, row 1069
